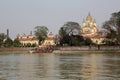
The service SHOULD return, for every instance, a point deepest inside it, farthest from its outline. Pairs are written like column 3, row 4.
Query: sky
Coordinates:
column 21, row 16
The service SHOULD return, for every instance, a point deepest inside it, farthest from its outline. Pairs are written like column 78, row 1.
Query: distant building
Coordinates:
column 28, row 39
column 89, row 30
column 49, row 40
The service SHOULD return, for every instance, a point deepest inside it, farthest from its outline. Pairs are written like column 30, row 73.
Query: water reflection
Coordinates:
column 90, row 66
column 38, row 66
column 26, row 66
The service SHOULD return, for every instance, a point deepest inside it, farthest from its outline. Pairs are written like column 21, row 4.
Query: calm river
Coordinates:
column 86, row 66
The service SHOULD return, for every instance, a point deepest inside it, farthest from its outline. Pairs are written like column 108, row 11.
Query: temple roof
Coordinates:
column 25, row 37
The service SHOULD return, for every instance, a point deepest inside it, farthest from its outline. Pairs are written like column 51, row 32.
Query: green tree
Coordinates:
column 66, row 32
column 88, row 41
column 62, row 32
column 113, row 25
column 65, row 41
column 41, row 32
column 72, row 28
column 8, row 42
column 2, row 37
column 76, row 40
column 16, row 43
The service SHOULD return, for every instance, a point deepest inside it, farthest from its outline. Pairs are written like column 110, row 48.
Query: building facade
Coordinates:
column 28, row 39
column 90, row 30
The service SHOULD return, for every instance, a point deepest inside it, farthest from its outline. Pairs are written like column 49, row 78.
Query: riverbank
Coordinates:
column 14, row 50
column 88, row 49
column 62, row 50
column 84, row 51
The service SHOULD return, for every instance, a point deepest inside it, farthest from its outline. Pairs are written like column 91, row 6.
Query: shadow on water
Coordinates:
column 88, row 66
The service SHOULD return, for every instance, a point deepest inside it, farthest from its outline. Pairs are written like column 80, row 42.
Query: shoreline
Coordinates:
column 85, row 51
column 61, row 50
column 14, row 50
column 88, row 49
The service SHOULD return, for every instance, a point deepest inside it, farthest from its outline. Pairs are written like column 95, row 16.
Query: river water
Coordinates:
column 83, row 66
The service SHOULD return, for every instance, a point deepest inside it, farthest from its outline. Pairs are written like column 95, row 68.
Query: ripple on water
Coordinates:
column 59, row 67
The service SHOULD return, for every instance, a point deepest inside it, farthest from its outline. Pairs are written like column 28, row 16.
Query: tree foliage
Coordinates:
column 62, row 32
column 69, row 35
column 8, row 42
column 2, row 38
column 72, row 28
column 75, row 40
column 113, row 25
column 16, row 43
column 88, row 41
column 41, row 32
column 66, row 32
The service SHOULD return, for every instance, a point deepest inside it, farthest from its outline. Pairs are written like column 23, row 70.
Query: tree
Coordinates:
column 65, row 41
column 2, row 37
column 88, row 41
column 72, row 28
column 76, row 40
column 113, row 25
column 8, row 42
column 66, row 32
column 41, row 32
column 62, row 32
column 16, row 43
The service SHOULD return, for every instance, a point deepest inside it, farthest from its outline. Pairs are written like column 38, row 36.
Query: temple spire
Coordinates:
column 89, row 17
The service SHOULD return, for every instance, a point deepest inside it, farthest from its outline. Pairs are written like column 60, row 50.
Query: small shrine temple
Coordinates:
column 90, row 30
column 49, row 40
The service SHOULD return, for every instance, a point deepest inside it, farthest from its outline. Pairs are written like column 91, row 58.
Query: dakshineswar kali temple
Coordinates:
column 90, row 30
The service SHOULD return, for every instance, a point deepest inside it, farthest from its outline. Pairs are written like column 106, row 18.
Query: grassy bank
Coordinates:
column 14, row 50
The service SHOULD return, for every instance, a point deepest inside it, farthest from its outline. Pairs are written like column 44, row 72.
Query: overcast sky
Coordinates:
column 21, row 16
